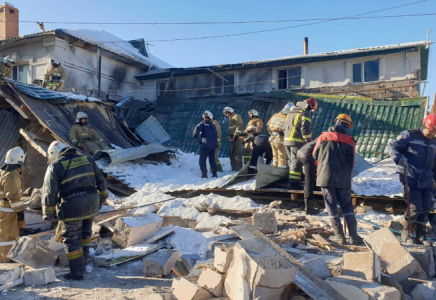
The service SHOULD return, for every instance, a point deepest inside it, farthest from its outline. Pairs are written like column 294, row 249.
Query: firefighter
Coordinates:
column 276, row 129
column 235, row 136
column 305, row 158
column 254, row 128
column 334, row 152
column 55, row 76
column 75, row 183
column 6, row 65
column 83, row 136
column 298, row 131
column 219, row 167
column 209, row 142
column 11, row 206
column 261, row 148
column 414, row 152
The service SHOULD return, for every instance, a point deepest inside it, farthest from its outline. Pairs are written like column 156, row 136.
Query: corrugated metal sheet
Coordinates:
column 10, row 125
column 376, row 121
column 152, row 132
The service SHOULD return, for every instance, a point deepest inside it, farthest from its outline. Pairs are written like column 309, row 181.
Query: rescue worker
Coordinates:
column 55, row 76
column 298, row 131
column 334, row 152
column 414, row 152
column 208, row 144
column 6, row 65
column 276, row 129
column 305, row 158
column 83, row 136
column 236, row 126
column 219, row 167
column 74, row 183
column 254, row 128
column 261, row 148
column 11, row 206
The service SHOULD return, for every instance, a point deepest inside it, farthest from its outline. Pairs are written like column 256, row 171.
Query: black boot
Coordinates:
column 71, row 276
column 419, row 234
column 77, row 269
column 355, row 239
column 203, row 174
column 308, row 208
column 214, row 174
column 338, row 237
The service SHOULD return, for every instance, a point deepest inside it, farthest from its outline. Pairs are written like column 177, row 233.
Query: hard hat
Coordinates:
column 208, row 114
column 228, row 109
column 54, row 149
column 254, row 112
column 55, row 62
column 81, row 115
column 15, row 156
column 288, row 107
column 9, row 60
column 344, row 118
column 430, row 121
column 312, row 103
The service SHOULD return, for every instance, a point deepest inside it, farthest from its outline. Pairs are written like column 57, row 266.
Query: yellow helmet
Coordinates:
column 345, row 119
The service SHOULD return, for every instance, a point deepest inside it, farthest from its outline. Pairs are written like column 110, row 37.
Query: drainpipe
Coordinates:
column 306, row 46
column 99, row 72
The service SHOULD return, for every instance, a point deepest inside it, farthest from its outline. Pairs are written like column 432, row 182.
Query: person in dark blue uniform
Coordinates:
column 261, row 147
column 209, row 142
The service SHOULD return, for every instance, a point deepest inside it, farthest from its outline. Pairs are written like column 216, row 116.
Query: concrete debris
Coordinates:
column 63, row 259
column 9, row 285
column 160, row 296
column 364, row 265
column 424, row 255
column 212, row 281
column 186, row 288
column 318, row 266
column 223, row 258
column 40, row 276
column 32, row 253
column 265, row 220
column 160, row 263
column 120, row 256
column 424, row 291
column 10, row 272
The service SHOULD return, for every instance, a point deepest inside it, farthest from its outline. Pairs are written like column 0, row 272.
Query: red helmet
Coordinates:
column 430, row 121
column 312, row 103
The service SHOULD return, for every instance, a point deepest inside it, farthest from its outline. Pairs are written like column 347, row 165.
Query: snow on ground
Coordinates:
column 189, row 241
column 379, row 180
column 220, row 202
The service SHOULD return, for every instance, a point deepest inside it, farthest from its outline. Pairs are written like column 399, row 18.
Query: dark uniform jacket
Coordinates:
column 208, row 134
column 74, row 181
column 420, row 154
column 297, row 126
column 334, row 153
column 305, row 153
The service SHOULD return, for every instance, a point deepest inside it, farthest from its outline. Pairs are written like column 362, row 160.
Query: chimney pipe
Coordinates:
column 306, row 45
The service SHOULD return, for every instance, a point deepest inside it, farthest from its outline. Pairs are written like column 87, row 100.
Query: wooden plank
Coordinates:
column 322, row 241
column 16, row 107
column 311, row 284
column 35, row 142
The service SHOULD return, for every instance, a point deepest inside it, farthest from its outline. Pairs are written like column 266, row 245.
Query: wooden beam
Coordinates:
column 17, row 108
column 34, row 141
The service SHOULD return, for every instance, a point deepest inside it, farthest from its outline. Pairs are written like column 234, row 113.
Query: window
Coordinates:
column 21, row 73
column 224, row 86
column 163, row 89
column 12, row 12
column 1, row 9
column 368, row 71
column 289, row 79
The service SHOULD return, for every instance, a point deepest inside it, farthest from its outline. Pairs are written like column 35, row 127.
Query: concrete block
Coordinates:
column 397, row 262
column 33, row 253
column 357, row 289
column 223, row 258
column 265, row 220
column 63, row 259
column 186, row 288
column 364, row 265
column 10, row 272
column 160, row 296
column 130, row 231
column 424, row 255
column 50, row 241
column 212, row 281
column 424, row 291
column 160, row 263
column 40, row 276
column 318, row 266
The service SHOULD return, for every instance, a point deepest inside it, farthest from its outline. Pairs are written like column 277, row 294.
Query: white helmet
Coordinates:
column 254, row 112
column 228, row 109
column 15, row 156
column 288, row 108
column 208, row 114
column 55, row 62
column 54, row 149
column 8, row 61
column 81, row 115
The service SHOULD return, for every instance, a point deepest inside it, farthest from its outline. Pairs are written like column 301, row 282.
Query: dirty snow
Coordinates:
column 206, row 221
column 176, row 209
column 189, row 241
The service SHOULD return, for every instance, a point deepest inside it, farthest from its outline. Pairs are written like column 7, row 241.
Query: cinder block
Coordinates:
column 10, row 272
column 186, row 288
column 318, row 266
column 33, row 253
column 41, row 276
column 424, row 255
column 223, row 258
column 364, row 265
column 212, row 281
column 424, row 291
column 265, row 220
column 160, row 263
column 130, row 231
column 160, row 296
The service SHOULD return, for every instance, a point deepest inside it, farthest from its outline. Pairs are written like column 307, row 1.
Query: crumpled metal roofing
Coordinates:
column 10, row 125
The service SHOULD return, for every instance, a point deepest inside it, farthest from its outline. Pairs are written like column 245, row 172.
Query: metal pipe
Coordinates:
column 99, row 72
column 306, row 45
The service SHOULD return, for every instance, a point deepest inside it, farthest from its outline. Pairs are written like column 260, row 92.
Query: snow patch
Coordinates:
column 176, row 209
column 221, row 202
column 189, row 241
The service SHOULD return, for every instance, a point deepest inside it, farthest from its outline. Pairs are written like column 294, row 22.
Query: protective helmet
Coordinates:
column 207, row 114
column 430, row 121
column 55, row 62
column 54, row 149
column 15, row 156
column 254, row 112
column 228, row 109
column 81, row 115
column 288, row 107
column 344, row 118
column 9, row 60
column 312, row 103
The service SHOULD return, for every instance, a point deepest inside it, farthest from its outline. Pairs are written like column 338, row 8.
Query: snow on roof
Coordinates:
column 114, row 44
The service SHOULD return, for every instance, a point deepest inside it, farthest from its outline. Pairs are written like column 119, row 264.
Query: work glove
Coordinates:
column 402, row 162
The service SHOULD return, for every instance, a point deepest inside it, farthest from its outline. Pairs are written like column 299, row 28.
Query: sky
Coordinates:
column 227, row 17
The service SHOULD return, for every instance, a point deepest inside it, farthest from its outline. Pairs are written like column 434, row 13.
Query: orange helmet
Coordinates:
column 345, row 119
column 312, row 103
column 430, row 121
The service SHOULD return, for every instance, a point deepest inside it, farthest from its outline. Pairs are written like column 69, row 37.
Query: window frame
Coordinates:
column 363, row 72
column 225, row 88
column 284, row 83
column 16, row 67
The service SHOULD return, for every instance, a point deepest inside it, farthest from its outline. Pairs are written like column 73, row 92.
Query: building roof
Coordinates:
column 422, row 46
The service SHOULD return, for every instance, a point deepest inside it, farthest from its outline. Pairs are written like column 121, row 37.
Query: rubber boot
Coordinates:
column 308, row 208
column 203, row 174
column 214, row 174
column 419, row 234
column 77, row 267
column 355, row 239
column 338, row 237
